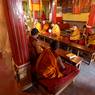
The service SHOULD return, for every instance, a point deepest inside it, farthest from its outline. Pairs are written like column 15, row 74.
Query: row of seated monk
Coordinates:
column 76, row 35
column 47, row 66
column 86, row 53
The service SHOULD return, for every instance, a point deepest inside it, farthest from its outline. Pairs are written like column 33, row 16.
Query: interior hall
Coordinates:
column 47, row 47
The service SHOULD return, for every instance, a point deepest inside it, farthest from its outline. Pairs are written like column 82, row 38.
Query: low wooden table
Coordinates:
column 76, row 61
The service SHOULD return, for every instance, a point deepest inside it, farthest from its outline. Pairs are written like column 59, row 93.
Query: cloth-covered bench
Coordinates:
column 56, row 85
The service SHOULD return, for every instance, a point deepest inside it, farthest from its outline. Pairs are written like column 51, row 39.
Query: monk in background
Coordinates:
column 56, row 31
column 45, row 28
column 37, row 25
column 91, row 40
column 75, row 35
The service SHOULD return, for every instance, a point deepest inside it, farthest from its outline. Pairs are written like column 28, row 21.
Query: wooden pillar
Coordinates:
column 54, row 6
column 50, row 9
column 16, row 30
column 91, row 18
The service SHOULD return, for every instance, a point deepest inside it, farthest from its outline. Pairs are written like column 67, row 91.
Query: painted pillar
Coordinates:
column 76, row 6
column 91, row 18
column 59, row 14
column 54, row 6
column 16, row 30
column 50, row 9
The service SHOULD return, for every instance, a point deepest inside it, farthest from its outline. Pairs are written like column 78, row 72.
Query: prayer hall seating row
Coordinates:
column 86, row 53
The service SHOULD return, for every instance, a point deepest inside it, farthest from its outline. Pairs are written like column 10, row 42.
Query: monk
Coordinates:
column 49, row 63
column 34, row 51
column 75, row 36
column 34, row 46
column 56, row 31
column 43, row 16
column 91, row 41
column 45, row 28
column 37, row 25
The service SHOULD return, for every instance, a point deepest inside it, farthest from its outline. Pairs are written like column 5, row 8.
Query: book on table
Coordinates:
column 71, row 55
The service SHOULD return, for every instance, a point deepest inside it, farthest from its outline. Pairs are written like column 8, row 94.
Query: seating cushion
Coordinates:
column 52, row 85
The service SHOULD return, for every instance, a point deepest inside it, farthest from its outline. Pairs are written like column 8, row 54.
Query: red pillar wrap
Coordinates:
column 16, row 30
column 91, row 19
column 54, row 5
column 76, row 6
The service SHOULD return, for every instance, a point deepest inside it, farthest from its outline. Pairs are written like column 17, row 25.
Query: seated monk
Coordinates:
column 56, row 31
column 34, row 46
column 43, row 16
column 91, row 41
column 34, row 51
column 45, row 28
column 38, row 26
column 75, row 36
column 49, row 62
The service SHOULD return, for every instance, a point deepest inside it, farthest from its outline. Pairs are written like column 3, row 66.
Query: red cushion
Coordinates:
column 82, row 42
column 53, row 85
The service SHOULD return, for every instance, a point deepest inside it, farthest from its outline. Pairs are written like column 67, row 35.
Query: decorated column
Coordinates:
column 54, row 6
column 91, row 18
column 50, row 10
column 16, row 30
column 76, row 6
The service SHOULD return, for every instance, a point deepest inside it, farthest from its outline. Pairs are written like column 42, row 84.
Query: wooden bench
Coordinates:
column 82, row 51
column 76, row 61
